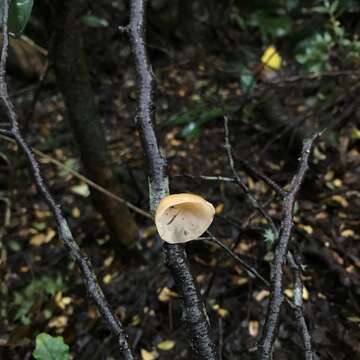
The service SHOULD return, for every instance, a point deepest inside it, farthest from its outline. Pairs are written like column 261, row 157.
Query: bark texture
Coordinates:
column 73, row 79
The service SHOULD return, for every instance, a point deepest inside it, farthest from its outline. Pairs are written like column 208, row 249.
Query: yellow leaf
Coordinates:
column 166, row 345
column 38, row 240
column 271, row 58
column 340, row 200
column 166, row 294
column 147, row 355
column 355, row 134
column 261, row 295
column 347, row 233
column 61, row 301
column 219, row 209
column 135, row 320
column 305, row 293
column 307, row 228
column 223, row 312
column 107, row 279
column 254, row 328
column 58, row 322
column 75, row 212
column 50, row 234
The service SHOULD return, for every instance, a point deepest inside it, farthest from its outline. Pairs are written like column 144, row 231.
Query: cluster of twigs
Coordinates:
column 175, row 256
column 283, row 236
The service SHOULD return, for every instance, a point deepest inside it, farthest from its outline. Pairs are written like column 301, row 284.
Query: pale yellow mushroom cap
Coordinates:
column 183, row 217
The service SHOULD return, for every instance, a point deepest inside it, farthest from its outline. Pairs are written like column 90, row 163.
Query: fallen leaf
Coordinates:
column 166, row 294
column 261, row 295
column 166, row 345
column 81, row 189
column 62, row 301
column 219, row 209
column 271, row 58
column 38, row 239
column 254, row 328
column 58, row 322
column 338, row 199
column 147, row 355
column 347, row 233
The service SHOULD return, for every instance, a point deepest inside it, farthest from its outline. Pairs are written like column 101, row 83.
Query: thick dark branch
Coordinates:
column 71, row 246
column 176, row 260
column 277, row 297
column 157, row 163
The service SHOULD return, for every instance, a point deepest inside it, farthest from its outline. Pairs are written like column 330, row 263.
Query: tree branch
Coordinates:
column 175, row 255
column 252, row 200
column 71, row 246
column 298, row 307
column 277, row 297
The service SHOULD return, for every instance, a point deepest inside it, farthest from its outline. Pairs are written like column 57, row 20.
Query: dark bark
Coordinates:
column 89, row 277
column 74, row 82
column 272, row 320
column 175, row 255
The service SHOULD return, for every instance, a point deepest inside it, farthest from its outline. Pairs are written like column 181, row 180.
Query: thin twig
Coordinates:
column 276, row 295
column 298, row 309
column 71, row 246
column 175, row 255
column 242, row 262
column 298, row 314
column 252, row 200
column 271, row 183
column 6, row 136
column 208, row 178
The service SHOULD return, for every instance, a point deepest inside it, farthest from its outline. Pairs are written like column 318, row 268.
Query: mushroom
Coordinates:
column 183, row 217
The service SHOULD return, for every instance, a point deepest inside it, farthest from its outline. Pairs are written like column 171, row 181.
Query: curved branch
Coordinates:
column 71, row 246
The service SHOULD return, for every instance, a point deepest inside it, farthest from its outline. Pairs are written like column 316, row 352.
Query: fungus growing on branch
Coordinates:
column 183, row 217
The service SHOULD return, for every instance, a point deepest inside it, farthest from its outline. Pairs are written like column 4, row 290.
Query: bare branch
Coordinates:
column 242, row 262
column 252, row 200
column 175, row 255
column 298, row 308
column 271, row 183
column 277, row 297
column 71, row 246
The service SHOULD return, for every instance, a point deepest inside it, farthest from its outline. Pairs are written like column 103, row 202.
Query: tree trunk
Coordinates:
column 73, row 80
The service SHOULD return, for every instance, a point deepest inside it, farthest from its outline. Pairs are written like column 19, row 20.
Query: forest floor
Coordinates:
column 41, row 290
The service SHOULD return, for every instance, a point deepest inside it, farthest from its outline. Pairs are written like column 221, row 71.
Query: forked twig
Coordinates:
column 71, row 246
column 276, row 295
column 252, row 200
column 175, row 255
column 287, row 209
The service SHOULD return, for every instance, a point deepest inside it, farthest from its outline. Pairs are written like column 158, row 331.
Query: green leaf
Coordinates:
column 50, row 348
column 81, row 189
column 269, row 237
column 247, row 82
column 190, row 131
column 19, row 15
column 94, row 21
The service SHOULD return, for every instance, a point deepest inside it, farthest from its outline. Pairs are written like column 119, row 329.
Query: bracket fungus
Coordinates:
column 183, row 217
